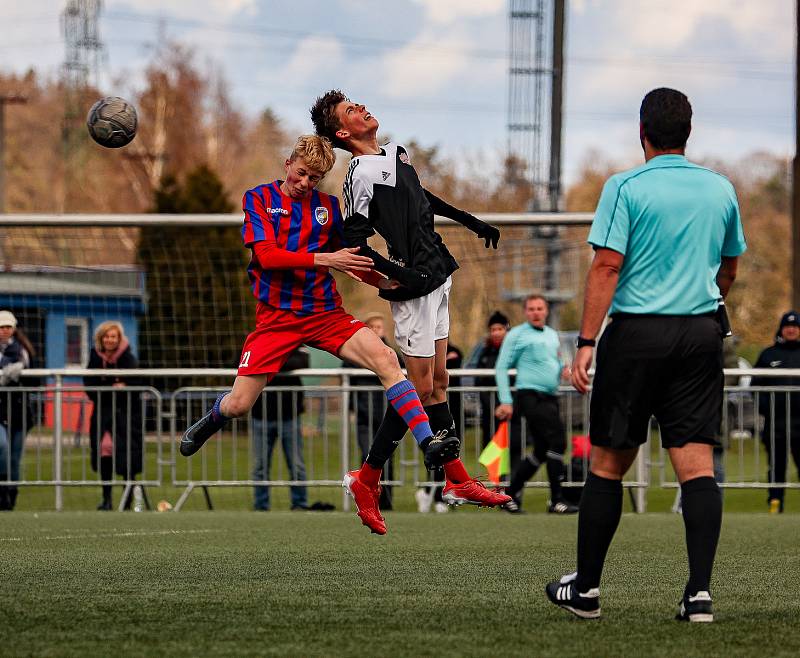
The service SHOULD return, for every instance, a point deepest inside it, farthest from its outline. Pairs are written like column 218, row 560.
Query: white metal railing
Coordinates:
column 235, row 219
column 335, row 438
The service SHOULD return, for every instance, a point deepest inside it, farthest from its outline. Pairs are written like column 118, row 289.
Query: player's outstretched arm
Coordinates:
column 357, row 230
column 489, row 233
column 345, row 260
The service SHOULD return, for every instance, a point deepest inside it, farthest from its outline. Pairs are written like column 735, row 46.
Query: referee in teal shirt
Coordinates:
column 666, row 236
column 533, row 349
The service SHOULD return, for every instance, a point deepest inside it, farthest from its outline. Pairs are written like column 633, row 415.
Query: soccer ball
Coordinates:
column 112, row 122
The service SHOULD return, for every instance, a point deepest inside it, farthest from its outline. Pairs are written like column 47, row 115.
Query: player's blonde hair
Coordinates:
column 103, row 329
column 316, row 151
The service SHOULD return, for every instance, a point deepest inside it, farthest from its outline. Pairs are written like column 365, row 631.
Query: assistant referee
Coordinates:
column 666, row 236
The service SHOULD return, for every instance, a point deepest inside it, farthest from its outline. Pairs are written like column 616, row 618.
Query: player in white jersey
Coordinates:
column 383, row 195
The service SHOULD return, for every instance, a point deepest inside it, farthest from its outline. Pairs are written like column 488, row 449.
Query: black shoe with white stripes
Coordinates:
column 695, row 608
column 564, row 594
column 562, row 507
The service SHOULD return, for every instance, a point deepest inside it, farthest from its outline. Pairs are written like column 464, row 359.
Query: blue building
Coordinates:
column 60, row 308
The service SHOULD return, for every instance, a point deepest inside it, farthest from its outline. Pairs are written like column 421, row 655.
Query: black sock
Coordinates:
column 106, row 473
column 525, row 470
column 555, row 474
column 437, row 475
column 702, row 515
column 439, row 417
column 600, row 511
column 391, row 431
column 441, row 420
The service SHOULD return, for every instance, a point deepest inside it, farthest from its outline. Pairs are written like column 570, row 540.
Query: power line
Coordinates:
column 382, row 44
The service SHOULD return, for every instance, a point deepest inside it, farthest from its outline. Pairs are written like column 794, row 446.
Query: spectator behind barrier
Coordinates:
column 115, row 430
column 15, row 412
column 277, row 415
column 784, row 353
column 484, row 355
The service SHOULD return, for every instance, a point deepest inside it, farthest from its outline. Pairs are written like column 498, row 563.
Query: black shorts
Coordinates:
column 669, row 367
column 543, row 420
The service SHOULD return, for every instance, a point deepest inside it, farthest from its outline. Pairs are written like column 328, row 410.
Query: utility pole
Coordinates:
column 5, row 100
column 796, row 171
column 556, row 105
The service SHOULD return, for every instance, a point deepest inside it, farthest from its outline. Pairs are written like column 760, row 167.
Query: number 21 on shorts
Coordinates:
column 245, row 360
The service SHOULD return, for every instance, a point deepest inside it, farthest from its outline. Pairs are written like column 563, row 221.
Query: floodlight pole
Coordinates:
column 796, row 171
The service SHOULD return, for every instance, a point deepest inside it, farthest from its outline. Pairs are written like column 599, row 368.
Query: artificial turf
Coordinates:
column 468, row 583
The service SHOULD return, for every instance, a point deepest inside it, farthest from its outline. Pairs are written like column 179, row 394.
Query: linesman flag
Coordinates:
column 495, row 456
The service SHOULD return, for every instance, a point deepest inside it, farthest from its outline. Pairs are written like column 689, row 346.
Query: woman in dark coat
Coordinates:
column 15, row 412
column 115, row 431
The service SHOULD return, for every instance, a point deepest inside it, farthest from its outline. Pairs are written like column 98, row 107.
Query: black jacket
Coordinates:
column 780, row 355
column 16, row 410
column 485, row 359
column 291, row 402
column 383, row 195
column 118, row 412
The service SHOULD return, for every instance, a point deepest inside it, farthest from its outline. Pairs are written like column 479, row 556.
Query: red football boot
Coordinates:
column 366, row 499
column 472, row 492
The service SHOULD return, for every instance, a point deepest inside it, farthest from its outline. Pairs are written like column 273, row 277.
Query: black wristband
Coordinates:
column 585, row 342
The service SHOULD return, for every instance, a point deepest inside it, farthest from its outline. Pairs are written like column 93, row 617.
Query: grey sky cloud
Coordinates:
column 434, row 70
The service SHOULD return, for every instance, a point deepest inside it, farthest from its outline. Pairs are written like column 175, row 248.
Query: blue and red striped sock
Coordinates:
column 216, row 412
column 403, row 397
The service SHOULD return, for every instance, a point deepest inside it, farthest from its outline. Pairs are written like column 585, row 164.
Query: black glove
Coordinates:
column 413, row 280
column 489, row 233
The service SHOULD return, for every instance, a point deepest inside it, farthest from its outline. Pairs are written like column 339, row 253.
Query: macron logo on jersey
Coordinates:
column 277, row 211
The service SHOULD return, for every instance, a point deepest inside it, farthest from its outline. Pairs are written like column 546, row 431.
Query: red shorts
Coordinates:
column 279, row 333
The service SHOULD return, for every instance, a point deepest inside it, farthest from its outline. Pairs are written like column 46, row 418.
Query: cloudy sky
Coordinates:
column 435, row 70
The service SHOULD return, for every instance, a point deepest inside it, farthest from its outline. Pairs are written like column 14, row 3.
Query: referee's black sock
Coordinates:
column 702, row 515
column 555, row 474
column 391, row 431
column 600, row 511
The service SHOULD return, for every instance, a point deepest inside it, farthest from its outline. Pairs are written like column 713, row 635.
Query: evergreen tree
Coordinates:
column 199, row 307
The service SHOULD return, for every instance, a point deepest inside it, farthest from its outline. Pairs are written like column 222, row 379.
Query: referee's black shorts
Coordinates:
column 669, row 367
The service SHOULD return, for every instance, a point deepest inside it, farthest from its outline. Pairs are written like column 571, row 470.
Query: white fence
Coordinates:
column 337, row 425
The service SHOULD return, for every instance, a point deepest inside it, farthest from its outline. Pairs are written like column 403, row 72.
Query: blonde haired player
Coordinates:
column 295, row 235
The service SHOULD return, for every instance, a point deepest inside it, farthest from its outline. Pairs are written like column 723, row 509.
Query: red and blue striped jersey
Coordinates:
column 311, row 225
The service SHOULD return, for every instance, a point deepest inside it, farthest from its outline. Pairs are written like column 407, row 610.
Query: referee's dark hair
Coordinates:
column 666, row 118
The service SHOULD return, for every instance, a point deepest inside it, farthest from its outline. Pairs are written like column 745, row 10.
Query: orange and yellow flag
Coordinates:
column 495, row 456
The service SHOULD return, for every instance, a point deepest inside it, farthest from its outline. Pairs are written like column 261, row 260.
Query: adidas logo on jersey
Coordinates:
column 385, row 174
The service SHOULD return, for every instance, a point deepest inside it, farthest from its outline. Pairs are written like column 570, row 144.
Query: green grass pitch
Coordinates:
column 468, row 583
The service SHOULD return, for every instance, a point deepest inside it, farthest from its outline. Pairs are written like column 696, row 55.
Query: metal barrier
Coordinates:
column 747, row 441
column 54, row 424
column 328, row 437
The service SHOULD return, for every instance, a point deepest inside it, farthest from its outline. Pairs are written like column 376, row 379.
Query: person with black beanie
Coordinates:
column 781, row 434
column 484, row 357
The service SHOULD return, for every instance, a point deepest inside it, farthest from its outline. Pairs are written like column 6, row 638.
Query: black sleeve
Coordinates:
column 94, row 362
column 297, row 360
column 128, row 361
column 356, row 231
column 444, row 209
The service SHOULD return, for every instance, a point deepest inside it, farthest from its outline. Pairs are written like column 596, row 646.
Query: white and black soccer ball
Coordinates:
column 112, row 122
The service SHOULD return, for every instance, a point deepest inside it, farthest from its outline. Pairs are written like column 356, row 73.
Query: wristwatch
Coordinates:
column 585, row 342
